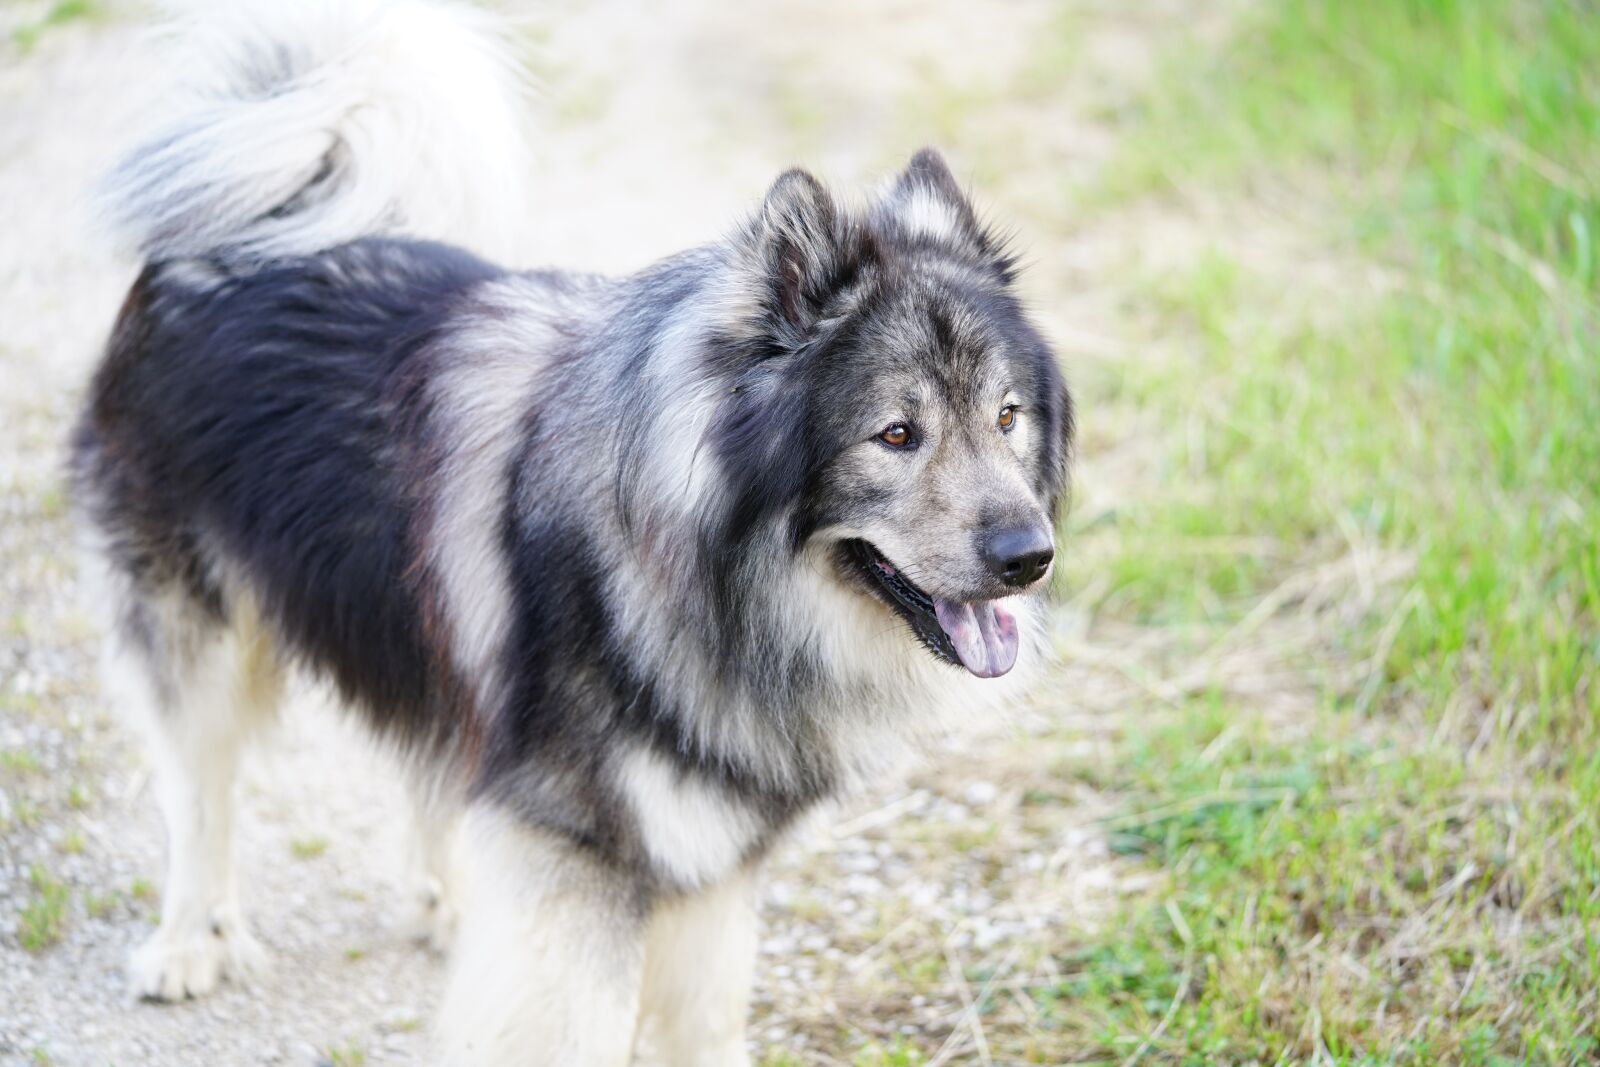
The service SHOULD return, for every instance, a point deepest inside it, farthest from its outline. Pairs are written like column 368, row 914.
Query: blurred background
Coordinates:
column 1317, row 779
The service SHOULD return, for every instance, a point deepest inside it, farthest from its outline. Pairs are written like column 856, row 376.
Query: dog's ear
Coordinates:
column 928, row 197
column 926, row 203
column 806, row 249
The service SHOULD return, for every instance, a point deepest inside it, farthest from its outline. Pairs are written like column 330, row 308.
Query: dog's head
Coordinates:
column 899, row 412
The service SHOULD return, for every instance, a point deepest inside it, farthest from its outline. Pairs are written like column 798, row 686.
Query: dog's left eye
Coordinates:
column 1008, row 416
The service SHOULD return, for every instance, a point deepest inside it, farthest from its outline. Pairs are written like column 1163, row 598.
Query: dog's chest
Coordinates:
column 692, row 832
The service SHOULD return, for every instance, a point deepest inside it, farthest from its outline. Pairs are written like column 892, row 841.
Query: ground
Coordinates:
column 1316, row 778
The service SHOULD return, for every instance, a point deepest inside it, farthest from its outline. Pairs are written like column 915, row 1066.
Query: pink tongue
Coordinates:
column 984, row 635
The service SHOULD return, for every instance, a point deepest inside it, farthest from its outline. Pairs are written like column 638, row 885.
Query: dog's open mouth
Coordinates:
column 979, row 635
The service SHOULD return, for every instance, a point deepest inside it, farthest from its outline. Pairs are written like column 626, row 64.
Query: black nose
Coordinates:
column 1019, row 555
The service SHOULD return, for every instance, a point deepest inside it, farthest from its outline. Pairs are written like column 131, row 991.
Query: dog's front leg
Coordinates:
column 549, row 954
column 699, row 956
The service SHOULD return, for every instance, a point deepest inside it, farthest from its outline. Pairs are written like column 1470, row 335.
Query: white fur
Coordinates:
column 478, row 404
column 199, row 698
column 694, row 834
column 902, row 696
column 554, row 967
column 410, row 107
column 681, row 479
column 699, row 962
column 682, row 462
column 429, row 914
column 548, row 964
column 923, row 212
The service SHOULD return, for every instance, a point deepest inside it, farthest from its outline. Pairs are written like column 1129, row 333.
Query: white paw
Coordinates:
column 189, row 963
column 429, row 918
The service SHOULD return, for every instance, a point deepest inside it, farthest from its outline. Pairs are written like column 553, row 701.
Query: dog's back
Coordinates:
column 236, row 463
column 244, row 438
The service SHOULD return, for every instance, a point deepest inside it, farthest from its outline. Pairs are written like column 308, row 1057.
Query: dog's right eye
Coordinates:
column 897, row 435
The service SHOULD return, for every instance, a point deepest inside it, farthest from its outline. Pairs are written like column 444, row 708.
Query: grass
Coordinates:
column 26, row 37
column 100, row 905
column 308, row 848
column 25, row 813
column 19, row 761
column 897, row 1053
column 348, row 1054
column 1408, row 870
column 42, row 920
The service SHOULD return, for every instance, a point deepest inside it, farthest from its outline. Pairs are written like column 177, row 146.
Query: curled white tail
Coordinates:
column 309, row 123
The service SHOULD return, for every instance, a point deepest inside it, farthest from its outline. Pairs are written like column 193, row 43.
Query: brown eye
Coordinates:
column 898, row 435
column 1008, row 415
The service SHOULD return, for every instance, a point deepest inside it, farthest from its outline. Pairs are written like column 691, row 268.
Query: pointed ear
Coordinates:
column 927, row 187
column 926, row 203
column 802, row 245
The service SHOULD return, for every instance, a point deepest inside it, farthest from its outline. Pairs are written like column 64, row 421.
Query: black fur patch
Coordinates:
column 249, row 425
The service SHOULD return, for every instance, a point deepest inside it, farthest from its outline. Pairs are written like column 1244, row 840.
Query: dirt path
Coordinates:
column 657, row 132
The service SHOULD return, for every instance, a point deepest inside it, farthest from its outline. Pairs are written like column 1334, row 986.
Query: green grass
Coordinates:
column 780, row 1058
column 308, row 848
column 26, row 37
column 99, row 905
column 898, row 1053
column 348, row 1054
column 19, row 761
column 42, row 920
column 1411, row 875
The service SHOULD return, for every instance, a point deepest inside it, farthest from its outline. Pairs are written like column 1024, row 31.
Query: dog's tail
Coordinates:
column 309, row 123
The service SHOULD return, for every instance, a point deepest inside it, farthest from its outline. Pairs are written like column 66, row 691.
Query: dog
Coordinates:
column 633, row 572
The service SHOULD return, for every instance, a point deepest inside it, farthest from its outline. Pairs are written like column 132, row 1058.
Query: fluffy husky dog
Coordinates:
column 633, row 571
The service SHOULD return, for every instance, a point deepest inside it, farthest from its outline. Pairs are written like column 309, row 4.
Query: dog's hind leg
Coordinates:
column 202, row 685
column 699, row 958
column 428, row 913
column 547, row 965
